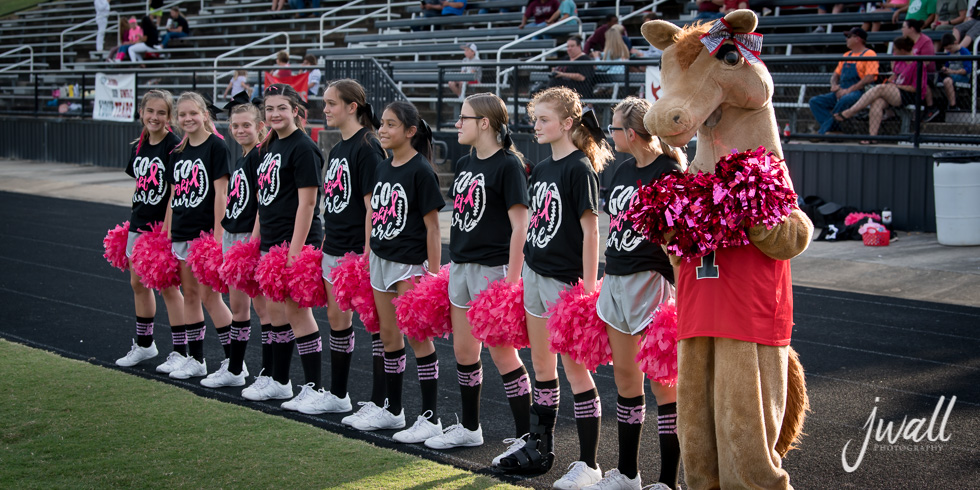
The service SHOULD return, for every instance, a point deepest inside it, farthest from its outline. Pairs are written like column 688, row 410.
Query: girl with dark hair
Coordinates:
column 405, row 244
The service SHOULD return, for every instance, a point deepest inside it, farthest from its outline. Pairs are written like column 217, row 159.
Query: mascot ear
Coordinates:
column 660, row 34
column 743, row 21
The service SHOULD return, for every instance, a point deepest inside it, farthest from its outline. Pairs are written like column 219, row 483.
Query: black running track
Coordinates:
column 58, row 293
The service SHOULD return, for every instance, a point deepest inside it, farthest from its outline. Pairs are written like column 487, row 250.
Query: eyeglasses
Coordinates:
column 610, row 128
column 462, row 117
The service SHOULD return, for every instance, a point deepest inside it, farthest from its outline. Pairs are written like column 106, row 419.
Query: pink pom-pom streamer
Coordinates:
column 423, row 312
column 154, row 260
column 114, row 244
column 854, row 218
column 271, row 273
column 497, row 315
column 575, row 329
column 351, row 281
column 305, row 278
column 658, row 348
column 205, row 258
column 238, row 268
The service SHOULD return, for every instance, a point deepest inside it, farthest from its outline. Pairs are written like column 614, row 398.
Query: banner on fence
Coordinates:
column 653, row 83
column 300, row 82
column 115, row 97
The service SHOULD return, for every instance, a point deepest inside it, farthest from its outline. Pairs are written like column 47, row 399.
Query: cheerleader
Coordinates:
column 489, row 227
column 347, row 196
column 405, row 244
column 199, row 177
column 148, row 163
column 562, row 246
column 289, row 180
column 638, row 278
column 239, row 224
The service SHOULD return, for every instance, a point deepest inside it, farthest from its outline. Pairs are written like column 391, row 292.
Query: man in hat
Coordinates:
column 470, row 54
column 847, row 83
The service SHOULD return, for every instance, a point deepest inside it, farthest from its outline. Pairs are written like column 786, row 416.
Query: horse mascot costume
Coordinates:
column 741, row 393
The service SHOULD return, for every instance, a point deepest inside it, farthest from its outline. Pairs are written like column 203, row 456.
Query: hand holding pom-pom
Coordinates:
column 658, row 348
column 238, row 268
column 271, row 273
column 352, row 287
column 115, row 246
column 204, row 258
column 154, row 260
column 305, row 278
column 575, row 329
column 423, row 312
column 497, row 315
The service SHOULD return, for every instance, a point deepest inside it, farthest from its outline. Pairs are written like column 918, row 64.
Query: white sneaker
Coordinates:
column 304, row 392
column 222, row 377
column 421, row 430
column 380, row 419
column 325, row 402
column 579, row 475
column 137, row 355
column 614, row 480
column 515, row 445
column 456, row 436
column 174, row 361
column 191, row 368
column 367, row 408
column 265, row 388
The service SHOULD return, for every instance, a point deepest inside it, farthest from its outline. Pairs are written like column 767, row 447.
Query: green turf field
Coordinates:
column 11, row 6
column 69, row 424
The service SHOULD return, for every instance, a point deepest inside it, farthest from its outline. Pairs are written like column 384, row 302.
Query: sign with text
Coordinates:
column 115, row 97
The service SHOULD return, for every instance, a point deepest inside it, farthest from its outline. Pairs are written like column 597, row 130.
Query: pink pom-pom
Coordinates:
column 658, row 348
column 154, row 260
column 423, row 312
column 306, row 278
column 271, row 273
column 238, row 268
column 351, row 281
column 205, row 258
column 854, row 218
column 575, row 329
column 497, row 315
column 115, row 246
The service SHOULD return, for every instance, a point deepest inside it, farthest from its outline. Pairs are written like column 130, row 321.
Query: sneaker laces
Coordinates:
column 132, row 349
column 417, row 426
column 304, row 391
column 575, row 470
column 514, row 444
column 172, row 357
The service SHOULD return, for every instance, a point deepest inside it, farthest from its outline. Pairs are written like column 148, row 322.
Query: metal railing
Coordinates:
column 29, row 60
column 536, row 33
column 61, row 37
column 375, row 13
column 217, row 77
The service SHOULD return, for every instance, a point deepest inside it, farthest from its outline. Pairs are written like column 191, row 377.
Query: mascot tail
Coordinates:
column 797, row 405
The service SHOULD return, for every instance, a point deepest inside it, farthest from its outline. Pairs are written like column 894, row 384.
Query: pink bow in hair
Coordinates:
column 749, row 45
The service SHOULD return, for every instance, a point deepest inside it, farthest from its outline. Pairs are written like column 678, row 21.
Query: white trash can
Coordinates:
column 956, row 177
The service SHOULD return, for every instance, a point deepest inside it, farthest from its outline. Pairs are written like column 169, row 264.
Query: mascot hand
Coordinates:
column 787, row 239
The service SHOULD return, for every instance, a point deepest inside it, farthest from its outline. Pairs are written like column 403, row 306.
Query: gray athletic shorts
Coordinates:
column 540, row 292
column 229, row 240
column 627, row 303
column 180, row 249
column 469, row 279
column 328, row 264
column 130, row 241
column 385, row 273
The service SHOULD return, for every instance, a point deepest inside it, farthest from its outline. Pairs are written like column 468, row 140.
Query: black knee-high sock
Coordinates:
column 144, row 331
column 282, row 352
column 630, row 412
column 470, row 385
column 224, row 336
column 428, row 369
column 267, row 349
column 588, row 418
column 178, row 334
column 670, row 447
column 240, row 333
column 517, row 385
column 394, row 378
column 195, row 341
column 379, row 387
column 341, row 349
column 310, row 349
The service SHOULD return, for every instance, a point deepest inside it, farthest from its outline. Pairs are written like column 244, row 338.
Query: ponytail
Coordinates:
column 407, row 114
column 490, row 106
column 633, row 109
column 586, row 134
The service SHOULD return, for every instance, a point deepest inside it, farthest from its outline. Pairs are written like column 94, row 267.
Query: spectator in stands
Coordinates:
column 147, row 42
column 847, row 83
column 282, row 59
column 576, row 76
column 892, row 5
column 278, row 5
column 155, row 7
column 238, row 83
column 450, row 7
column 921, row 10
column 898, row 91
column 565, row 10
column 923, row 46
column 541, row 11
column 615, row 50
column 709, row 10
column 733, row 5
column 130, row 33
column 649, row 51
column 177, row 27
column 431, row 8
column 968, row 31
column 949, row 13
column 953, row 71
column 102, row 21
column 315, row 77
column 471, row 54
column 597, row 41
column 435, row 8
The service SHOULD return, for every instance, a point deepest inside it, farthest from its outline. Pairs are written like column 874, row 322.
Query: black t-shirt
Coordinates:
column 627, row 250
column 349, row 177
column 182, row 22
column 482, row 192
column 152, row 194
column 150, row 30
column 193, row 173
column 242, row 204
column 585, row 87
column 561, row 192
column 400, row 199
column 289, row 164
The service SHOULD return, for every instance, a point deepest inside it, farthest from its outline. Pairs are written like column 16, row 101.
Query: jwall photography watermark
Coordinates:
column 910, row 435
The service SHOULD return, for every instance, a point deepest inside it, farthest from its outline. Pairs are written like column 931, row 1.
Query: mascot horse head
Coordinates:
column 715, row 86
